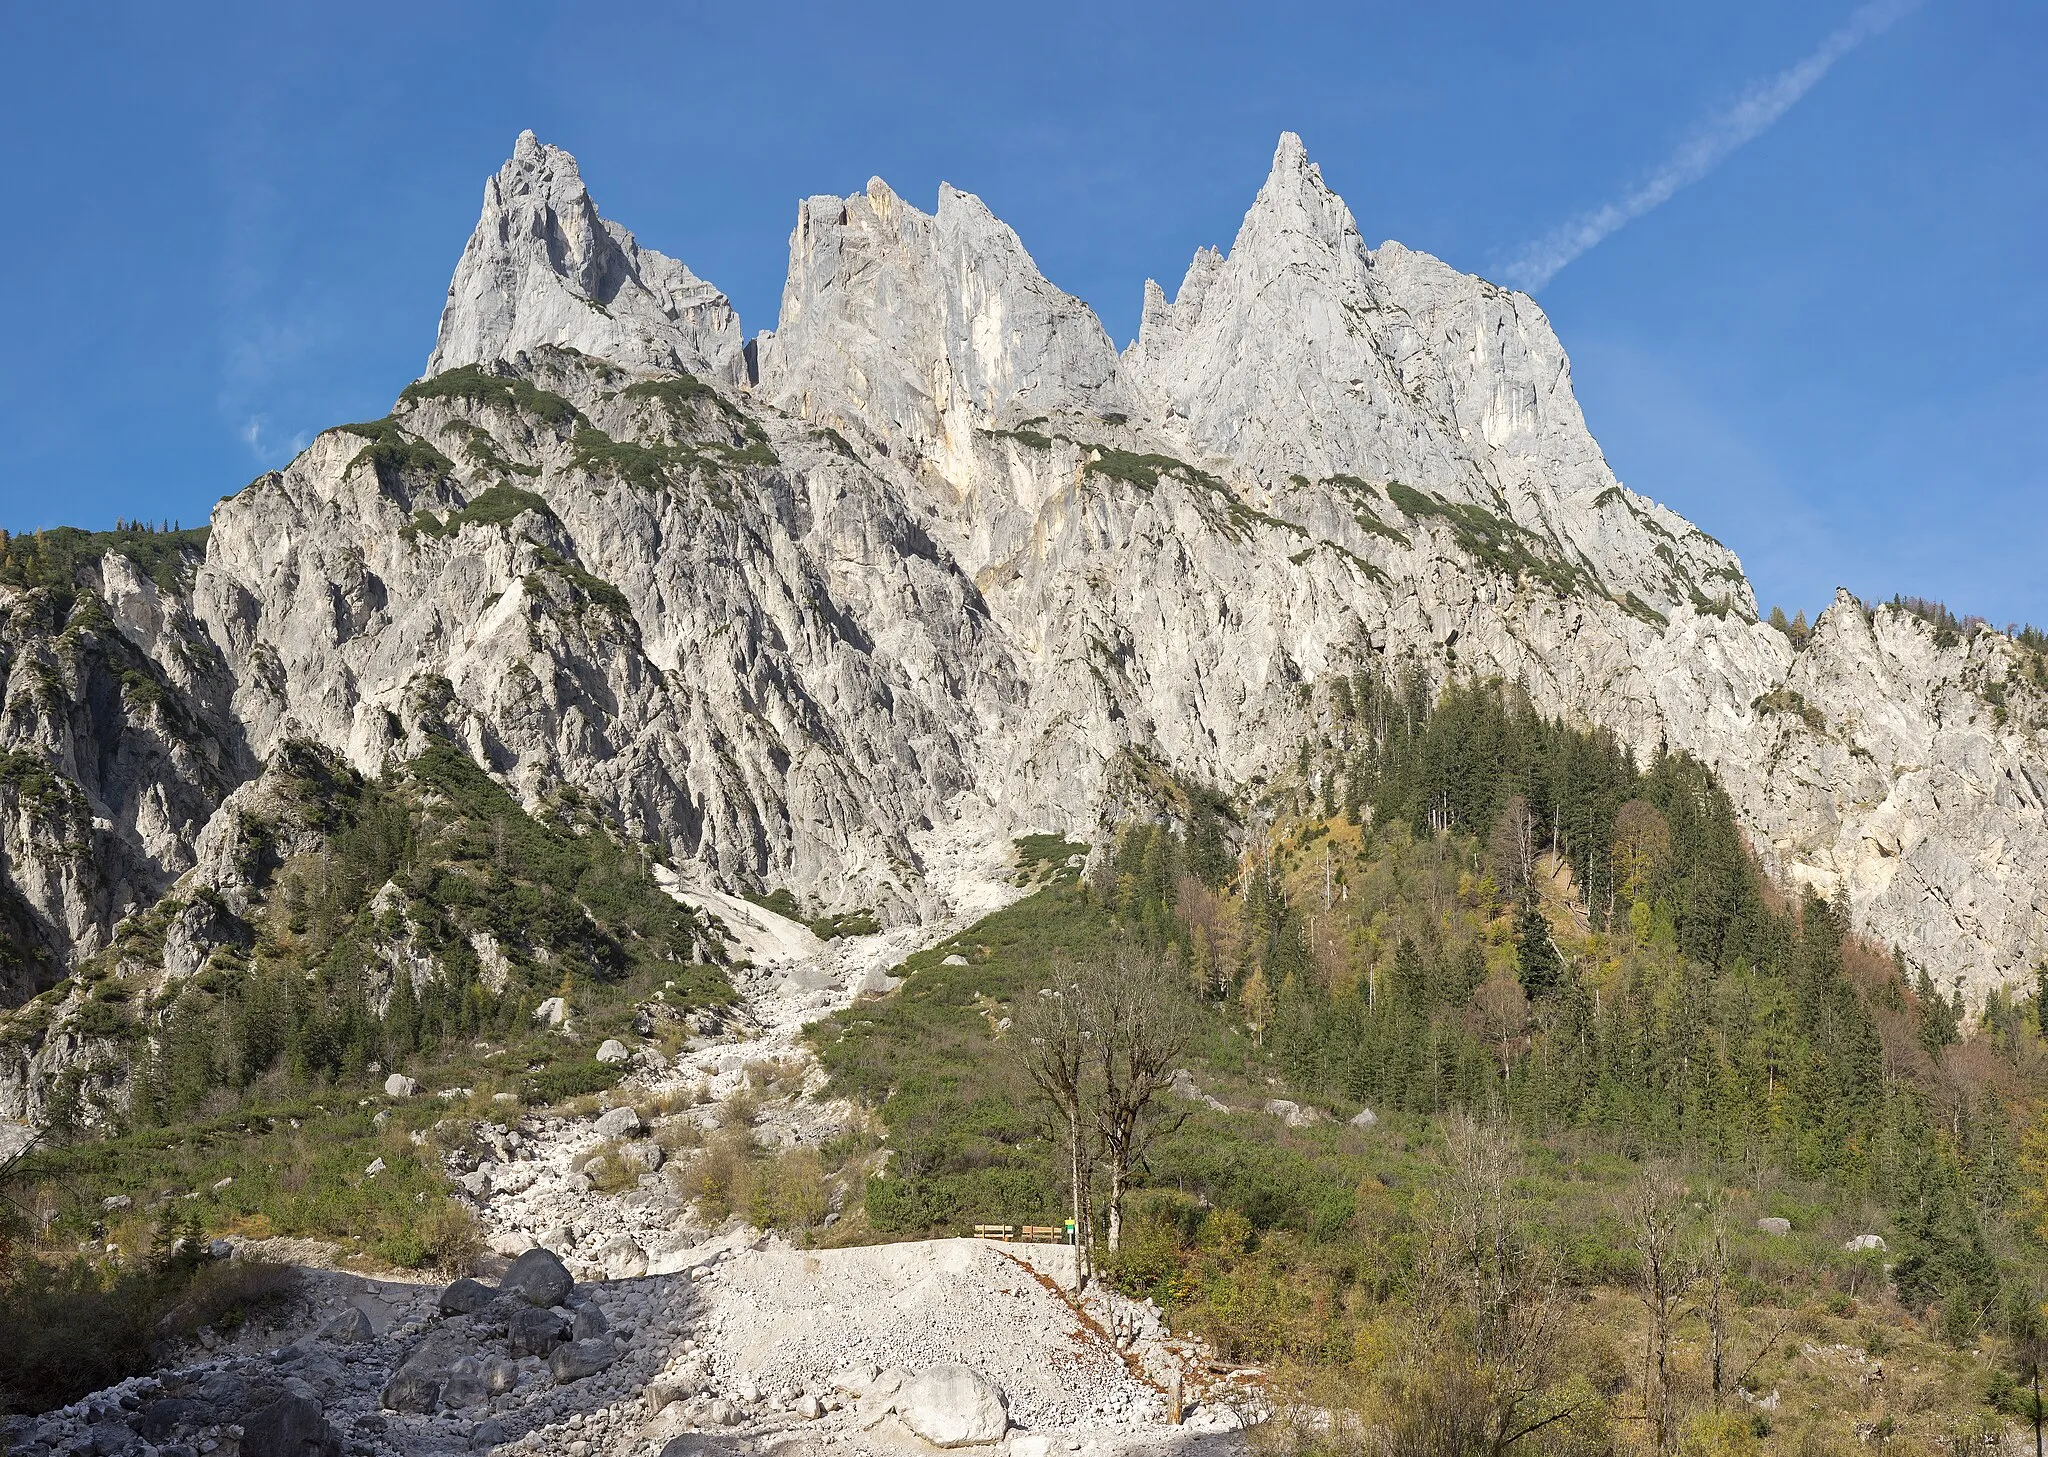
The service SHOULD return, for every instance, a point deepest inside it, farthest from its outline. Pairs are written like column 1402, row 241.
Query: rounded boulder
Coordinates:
column 466, row 1297
column 950, row 1405
column 539, row 1278
column 579, row 1359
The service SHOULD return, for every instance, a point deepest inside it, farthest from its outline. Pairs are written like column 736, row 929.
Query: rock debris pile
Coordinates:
column 618, row 1323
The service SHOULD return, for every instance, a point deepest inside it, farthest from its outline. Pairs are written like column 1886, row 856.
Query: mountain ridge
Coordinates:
column 933, row 560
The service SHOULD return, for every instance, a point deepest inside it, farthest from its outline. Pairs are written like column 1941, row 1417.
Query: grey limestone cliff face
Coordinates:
column 1385, row 462
column 732, row 640
column 117, row 745
column 946, row 566
column 1304, row 353
column 543, row 268
column 918, row 329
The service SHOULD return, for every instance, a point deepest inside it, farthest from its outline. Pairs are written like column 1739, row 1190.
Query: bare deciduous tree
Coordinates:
column 1512, row 845
column 1052, row 1040
column 1479, row 1266
column 1667, row 1272
column 1137, row 1020
column 1100, row 1047
column 1505, row 1007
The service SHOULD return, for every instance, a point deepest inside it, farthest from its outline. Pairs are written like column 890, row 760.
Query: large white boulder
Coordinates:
column 1293, row 1114
column 552, row 1011
column 950, row 1405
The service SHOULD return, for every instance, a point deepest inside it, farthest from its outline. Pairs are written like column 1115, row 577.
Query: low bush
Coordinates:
column 789, row 1191
column 560, row 1082
column 224, row 1293
column 719, row 1180
column 445, row 1238
column 740, row 1108
column 78, row 1325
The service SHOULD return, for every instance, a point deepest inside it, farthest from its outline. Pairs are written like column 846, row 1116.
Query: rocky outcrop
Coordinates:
column 117, row 745
column 734, row 640
column 543, row 268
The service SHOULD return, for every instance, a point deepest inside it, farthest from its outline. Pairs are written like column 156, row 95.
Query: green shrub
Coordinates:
column 559, row 1082
column 76, row 1326
column 73, row 1328
column 53, row 558
column 679, row 394
column 789, row 1191
column 719, row 1180
column 392, row 453
column 473, row 384
column 498, row 505
column 648, row 467
column 1142, row 471
column 1791, row 701
column 849, row 923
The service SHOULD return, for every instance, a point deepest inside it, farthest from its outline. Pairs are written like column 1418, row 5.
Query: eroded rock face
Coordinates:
column 922, row 328
column 116, row 748
column 1386, row 463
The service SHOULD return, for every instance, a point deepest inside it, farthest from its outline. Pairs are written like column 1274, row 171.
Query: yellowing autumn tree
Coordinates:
column 1256, row 1001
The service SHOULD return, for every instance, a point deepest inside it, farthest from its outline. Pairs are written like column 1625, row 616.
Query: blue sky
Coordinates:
column 232, row 226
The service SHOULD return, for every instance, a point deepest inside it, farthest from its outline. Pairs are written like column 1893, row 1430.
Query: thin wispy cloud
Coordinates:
column 255, row 433
column 1749, row 118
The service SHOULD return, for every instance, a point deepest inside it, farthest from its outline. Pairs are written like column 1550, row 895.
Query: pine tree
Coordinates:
column 1940, row 1022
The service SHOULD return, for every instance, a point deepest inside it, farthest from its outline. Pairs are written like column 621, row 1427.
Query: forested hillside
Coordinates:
column 1553, row 975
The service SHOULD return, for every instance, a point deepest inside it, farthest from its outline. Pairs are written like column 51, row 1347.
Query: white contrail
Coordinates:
column 1705, row 149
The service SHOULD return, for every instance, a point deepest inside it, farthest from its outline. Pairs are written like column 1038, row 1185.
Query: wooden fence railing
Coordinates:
column 1038, row 1234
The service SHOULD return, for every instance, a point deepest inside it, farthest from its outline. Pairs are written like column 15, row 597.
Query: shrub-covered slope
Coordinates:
column 1548, row 974
column 339, row 928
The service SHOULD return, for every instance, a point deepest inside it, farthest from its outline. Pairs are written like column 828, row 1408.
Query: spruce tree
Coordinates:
column 1536, row 959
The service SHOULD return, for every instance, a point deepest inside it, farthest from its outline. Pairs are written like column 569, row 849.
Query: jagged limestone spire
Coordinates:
column 543, row 267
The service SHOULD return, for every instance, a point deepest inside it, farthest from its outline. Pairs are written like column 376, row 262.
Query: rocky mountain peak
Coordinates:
column 917, row 328
column 954, row 571
column 544, row 267
column 1295, row 200
column 1301, row 353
